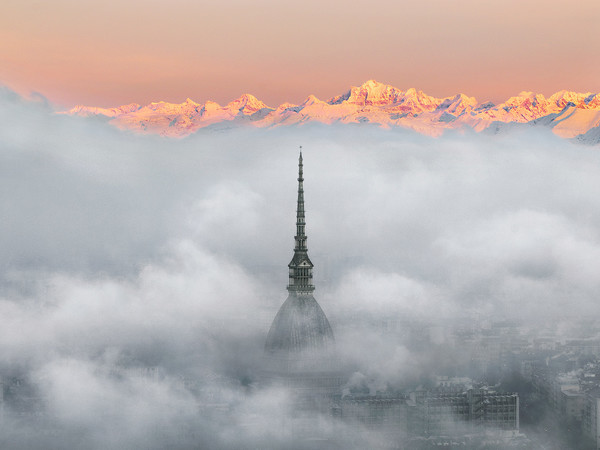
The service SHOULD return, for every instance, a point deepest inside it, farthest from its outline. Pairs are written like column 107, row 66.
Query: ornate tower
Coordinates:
column 300, row 266
column 300, row 336
column 300, row 349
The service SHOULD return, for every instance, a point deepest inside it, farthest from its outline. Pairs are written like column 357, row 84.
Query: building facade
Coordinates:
column 435, row 413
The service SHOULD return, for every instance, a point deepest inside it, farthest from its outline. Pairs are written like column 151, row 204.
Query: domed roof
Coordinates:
column 299, row 326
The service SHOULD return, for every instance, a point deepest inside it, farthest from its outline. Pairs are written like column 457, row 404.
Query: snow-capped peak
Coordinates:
column 310, row 100
column 371, row 93
column 525, row 99
column 564, row 97
column 527, row 95
column 247, row 104
column 457, row 104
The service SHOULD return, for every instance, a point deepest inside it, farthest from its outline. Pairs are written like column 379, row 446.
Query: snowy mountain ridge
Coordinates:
column 568, row 114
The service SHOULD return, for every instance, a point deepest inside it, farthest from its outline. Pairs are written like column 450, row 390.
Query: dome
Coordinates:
column 299, row 326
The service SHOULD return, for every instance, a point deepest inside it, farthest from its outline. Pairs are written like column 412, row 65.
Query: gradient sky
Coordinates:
column 109, row 52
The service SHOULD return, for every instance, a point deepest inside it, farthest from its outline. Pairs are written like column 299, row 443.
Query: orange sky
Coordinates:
column 107, row 53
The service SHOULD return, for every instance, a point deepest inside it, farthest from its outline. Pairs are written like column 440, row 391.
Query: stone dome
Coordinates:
column 299, row 326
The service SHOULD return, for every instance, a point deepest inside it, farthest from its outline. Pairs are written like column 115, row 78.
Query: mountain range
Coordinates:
column 569, row 114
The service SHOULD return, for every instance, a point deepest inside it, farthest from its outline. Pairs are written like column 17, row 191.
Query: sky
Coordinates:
column 108, row 52
column 121, row 252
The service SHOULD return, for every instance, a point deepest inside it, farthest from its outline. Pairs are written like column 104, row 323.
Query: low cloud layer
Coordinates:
column 119, row 252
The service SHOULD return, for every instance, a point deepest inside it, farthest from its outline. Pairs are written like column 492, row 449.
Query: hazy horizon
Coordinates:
column 107, row 53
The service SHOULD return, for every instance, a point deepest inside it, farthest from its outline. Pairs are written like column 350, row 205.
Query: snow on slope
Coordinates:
column 591, row 137
column 568, row 114
column 87, row 111
column 573, row 121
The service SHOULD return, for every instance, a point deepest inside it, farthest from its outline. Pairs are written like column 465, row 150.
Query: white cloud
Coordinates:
column 117, row 248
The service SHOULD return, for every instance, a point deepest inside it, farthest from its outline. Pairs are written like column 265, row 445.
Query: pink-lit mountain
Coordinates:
column 568, row 114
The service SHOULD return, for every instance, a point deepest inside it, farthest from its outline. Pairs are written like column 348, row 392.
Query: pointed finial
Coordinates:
column 300, row 172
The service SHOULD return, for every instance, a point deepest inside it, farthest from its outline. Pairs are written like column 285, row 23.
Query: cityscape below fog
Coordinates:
column 475, row 380
column 496, row 384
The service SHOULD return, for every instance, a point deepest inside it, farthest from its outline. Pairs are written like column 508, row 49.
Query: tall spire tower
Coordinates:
column 300, row 325
column 300, row 266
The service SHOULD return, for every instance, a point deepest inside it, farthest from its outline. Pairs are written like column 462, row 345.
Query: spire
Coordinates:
column 300, row 266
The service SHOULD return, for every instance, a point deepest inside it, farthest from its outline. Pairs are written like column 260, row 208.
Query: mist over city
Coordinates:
column 139, row 277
